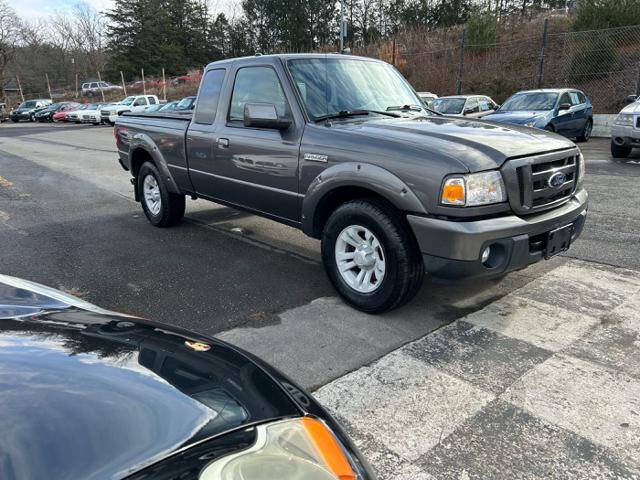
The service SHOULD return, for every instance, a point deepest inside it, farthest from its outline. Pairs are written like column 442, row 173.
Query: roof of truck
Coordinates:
column 289, row 56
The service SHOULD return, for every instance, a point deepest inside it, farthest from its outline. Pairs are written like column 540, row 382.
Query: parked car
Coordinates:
column 331, row 144
column 133, row 103
column 562, row 110
column 46, row 114
column 27, row 109
column 474, row 106
column 427, row 98
column 76, row 114
column 154, row 108
column 92, row 113
column 95, row 88
column 91, row 393
column 61, row 115
column 191, row 77
column 139, row 87
column 187, row 103
column 4, row 113
column 169, row 106
column 625, row 131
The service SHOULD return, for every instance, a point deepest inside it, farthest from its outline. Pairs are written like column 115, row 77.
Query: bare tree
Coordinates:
column 9, row 38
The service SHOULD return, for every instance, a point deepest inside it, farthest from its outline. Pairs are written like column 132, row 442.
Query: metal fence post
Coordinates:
column 144, row 87
column 393, row 52
column 164, row 86
column 124, row 85
column 638, row 81
column 543, row 46
column 99, row 84
column 20, row 88
column 48, row 85
column 461, row 64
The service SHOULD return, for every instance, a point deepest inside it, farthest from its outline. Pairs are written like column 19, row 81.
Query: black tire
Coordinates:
column 172, row 205
column 15, row 121
column 404, row 267
column 586, row 132
column 619, row 151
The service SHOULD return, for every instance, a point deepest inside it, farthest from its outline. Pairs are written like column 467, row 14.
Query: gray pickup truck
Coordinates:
column 340, row 147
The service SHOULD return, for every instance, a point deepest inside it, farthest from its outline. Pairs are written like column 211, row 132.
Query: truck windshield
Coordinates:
column 530, row 101
column 449, row 105
column 333, row 85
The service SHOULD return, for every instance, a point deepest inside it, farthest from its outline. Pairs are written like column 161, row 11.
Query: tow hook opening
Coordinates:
column 618, row 141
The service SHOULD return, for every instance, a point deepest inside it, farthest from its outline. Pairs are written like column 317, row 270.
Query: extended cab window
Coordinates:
column 256, row 85
column 152, row 100
column 139, row 101
column 208, row 97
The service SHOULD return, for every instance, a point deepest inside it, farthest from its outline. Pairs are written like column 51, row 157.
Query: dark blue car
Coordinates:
column 562, row 110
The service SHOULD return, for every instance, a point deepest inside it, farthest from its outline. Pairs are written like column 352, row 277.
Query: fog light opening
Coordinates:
column 493, row 256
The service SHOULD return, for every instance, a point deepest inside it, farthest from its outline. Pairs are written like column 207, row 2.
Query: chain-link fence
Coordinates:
column 605, row 64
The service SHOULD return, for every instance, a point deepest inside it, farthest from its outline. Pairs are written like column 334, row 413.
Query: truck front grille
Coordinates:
column 542, row 181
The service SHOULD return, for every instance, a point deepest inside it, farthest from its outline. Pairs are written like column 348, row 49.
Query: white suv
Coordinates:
column 625, row 131
column 134, row 103
column 93, row 88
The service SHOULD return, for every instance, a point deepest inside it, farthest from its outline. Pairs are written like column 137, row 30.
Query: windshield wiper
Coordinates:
column 413, row 108
column 353, row 113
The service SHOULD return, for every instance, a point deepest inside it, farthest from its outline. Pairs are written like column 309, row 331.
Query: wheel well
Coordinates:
column 138, row 157
column 333, row 199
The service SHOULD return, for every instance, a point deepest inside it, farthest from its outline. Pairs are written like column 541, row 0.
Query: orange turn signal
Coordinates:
column 453, row 192
column 328, row 447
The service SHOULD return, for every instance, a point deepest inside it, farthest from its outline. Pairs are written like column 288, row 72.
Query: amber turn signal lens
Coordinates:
column 328, row 447
column 453, row 192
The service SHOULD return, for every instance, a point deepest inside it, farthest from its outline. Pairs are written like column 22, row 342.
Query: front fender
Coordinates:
column 355, row 174
column 145, row 142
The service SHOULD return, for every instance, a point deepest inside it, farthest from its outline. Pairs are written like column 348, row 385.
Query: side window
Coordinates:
column 565, row 99
column 152, row 100
column 139, row 101
column 94, row 85
column 575, row 99
column 582, row 98
column 256, row 85
column 485, row 105
column 85, row 85
column 207, row 103
column 472, row 106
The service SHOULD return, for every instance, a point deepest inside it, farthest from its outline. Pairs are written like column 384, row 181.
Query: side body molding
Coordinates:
column 355, row 174
column 146, row 143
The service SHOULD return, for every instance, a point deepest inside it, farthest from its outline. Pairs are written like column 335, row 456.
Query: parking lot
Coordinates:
column 547, row 357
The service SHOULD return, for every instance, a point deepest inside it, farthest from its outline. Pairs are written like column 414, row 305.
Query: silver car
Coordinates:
column 625, row 131
column 474, row 106
column 94, row 88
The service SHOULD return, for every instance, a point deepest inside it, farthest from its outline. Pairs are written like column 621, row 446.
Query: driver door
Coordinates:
column 252, row 167
column 564, row 118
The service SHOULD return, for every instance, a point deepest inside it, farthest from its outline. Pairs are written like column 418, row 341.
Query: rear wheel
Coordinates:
column 586, row 132
column 162, row 208
column 371, row 256
column 619, row 151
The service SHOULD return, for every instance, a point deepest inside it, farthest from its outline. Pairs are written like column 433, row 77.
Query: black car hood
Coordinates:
column 93, row 394
column 480, row 145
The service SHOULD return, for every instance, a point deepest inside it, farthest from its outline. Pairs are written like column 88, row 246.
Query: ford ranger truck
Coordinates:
column 342, row 148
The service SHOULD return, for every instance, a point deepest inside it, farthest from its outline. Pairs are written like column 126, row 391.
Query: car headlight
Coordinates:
column 624, row 119
column 581, row 170
column 298, row 448
column 473, row 190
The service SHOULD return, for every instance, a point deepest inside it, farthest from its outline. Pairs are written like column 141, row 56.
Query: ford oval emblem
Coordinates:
column 557, row 180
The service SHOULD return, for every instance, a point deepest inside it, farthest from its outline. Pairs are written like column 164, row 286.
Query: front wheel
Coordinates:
column 162, row 208
column 371, row 256
column 619, row 151
column 586, row 132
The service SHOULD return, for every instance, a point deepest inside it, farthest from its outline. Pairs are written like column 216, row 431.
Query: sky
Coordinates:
column 41, row 9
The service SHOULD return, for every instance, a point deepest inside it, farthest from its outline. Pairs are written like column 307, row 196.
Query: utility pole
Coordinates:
column 461, row 64
column 99, row 84
column 343, row 26
column 48, row 85
column 20, row 88
column 543, row 46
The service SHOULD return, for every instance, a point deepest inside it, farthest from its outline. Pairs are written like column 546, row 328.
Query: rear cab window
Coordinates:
column 207, row 102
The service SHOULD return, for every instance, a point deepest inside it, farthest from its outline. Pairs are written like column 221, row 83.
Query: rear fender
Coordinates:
column 145, row 142
column 363, row 175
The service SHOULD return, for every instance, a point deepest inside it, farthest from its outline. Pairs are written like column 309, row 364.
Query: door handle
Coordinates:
column 223, row 143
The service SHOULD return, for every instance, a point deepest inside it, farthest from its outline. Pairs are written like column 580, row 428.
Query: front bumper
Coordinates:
column 452, row 250
column 625, row 136
column 20, row 116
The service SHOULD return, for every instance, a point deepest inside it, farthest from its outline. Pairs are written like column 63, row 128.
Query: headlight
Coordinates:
column 473, row 190
column 301, row 448
column 624, row 119
column 530, row 124
column 581, row 170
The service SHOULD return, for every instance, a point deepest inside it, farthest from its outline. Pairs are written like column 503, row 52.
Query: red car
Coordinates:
column 191, row 77
column 61, row 115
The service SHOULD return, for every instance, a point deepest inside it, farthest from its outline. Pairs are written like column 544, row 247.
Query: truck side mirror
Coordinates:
column 631, row 98
column 264, row 115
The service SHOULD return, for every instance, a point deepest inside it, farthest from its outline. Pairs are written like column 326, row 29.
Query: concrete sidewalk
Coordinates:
column 541, row 384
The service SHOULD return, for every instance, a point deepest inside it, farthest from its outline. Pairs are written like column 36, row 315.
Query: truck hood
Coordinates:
column 632, row 108
column 478, row 144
